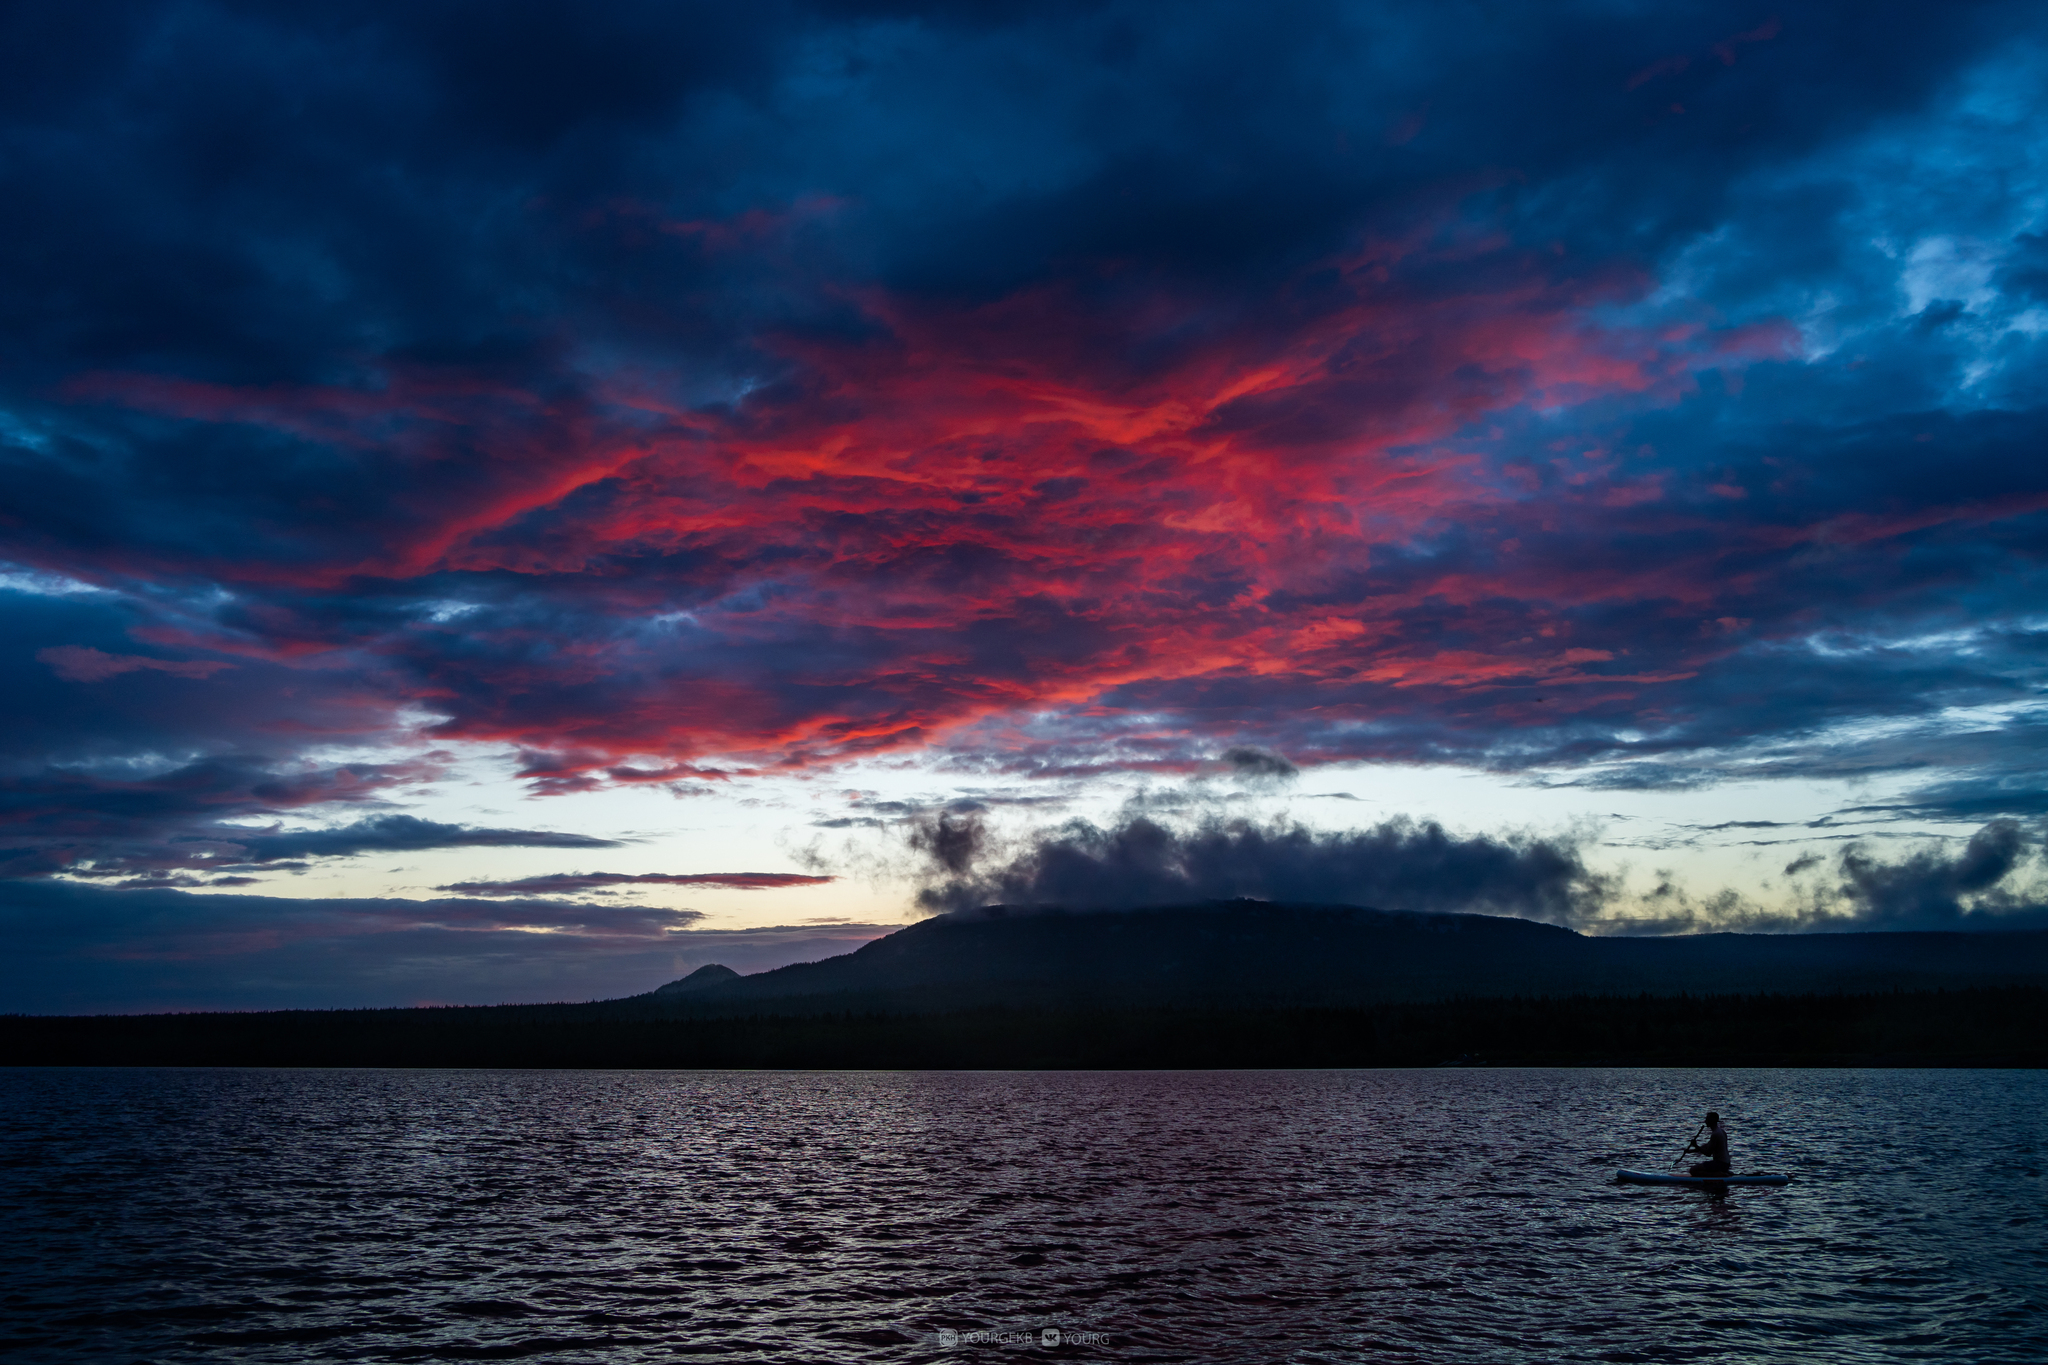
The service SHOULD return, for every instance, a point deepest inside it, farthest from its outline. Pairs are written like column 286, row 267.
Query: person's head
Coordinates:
column 1713, row 1119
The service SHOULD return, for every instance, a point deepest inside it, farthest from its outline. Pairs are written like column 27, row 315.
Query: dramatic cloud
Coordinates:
column 568, row 883
column 675, row 397
column 1998, row 878
column 385, row 833
column 1995, row 879
column 1396, row 865
column 1944, row 888
column 1359, row 444
column 2007, row 784
column 80, row 664
column 177, row 823
column 1259, row 765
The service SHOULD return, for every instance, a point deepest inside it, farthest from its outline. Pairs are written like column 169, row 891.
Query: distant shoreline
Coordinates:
column 1979, row 1027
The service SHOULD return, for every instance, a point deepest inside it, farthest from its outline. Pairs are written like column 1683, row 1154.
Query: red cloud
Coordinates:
column 1725, row 50
column 1007, row 463
column 1670, row 66
column 1762, row 33
column 957, row 513
column 80, row 663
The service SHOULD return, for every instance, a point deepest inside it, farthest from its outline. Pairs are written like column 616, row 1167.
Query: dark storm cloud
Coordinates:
column 258, row 231
column 1259, row 765
column 1997, row 878
column 952, row 841
column 1941, row 888
column 1396, row 865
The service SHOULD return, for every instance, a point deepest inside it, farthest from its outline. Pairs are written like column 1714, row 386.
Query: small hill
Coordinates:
column 711, row 975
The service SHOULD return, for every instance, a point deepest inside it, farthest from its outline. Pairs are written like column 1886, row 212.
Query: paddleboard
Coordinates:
column 1659, row 1178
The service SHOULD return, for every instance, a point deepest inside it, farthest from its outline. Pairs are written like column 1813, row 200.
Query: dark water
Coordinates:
column 169, row 1215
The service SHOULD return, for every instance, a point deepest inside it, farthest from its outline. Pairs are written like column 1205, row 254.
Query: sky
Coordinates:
column 520, row 500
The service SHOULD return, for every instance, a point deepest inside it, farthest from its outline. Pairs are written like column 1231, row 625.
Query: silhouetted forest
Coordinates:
column 1977, row 1027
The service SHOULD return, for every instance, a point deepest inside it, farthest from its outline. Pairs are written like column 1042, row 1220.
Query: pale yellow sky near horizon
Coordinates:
column 772, row 824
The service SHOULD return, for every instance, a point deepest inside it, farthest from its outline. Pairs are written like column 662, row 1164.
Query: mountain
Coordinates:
column 1251, row 953
column 1237, row 984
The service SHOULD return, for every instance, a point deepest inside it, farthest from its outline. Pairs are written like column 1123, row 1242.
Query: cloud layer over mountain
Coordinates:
column 1997, row 880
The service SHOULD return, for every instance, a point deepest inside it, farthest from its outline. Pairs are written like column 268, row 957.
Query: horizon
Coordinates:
column 556, row 502
column 783, row 940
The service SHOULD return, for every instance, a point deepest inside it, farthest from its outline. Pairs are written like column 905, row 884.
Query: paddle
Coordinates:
column 1689, row 1142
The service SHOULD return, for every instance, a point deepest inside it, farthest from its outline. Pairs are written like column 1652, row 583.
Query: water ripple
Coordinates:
column 1458, row 1215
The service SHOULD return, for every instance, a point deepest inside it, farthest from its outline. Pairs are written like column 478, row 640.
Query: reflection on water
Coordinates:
column 1466, row 1215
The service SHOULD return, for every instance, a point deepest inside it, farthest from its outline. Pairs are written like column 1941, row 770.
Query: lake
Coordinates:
column 1453, row 1215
